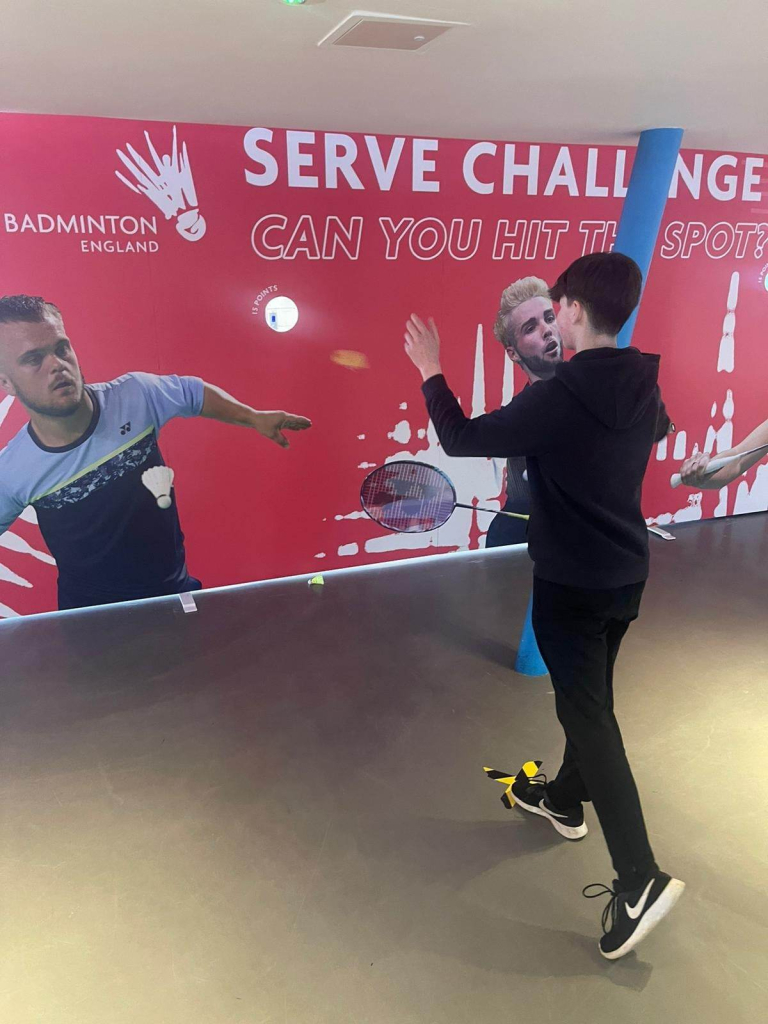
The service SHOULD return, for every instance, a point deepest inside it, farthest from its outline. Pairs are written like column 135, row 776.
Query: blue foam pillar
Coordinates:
column 644, row 203
column 529, row 661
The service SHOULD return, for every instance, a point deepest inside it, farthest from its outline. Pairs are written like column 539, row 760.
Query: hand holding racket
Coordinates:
column 696, row 465
column 412, row 497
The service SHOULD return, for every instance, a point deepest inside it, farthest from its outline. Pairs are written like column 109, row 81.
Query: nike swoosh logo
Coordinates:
column 548, row 811
column 636, row 911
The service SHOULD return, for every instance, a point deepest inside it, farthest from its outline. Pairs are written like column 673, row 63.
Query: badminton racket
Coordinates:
column 412, row 497
column 716, row 464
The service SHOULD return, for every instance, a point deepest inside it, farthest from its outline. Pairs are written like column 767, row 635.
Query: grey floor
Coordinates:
column 274, row 810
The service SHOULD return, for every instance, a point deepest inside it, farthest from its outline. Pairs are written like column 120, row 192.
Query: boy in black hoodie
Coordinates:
column 587, row 435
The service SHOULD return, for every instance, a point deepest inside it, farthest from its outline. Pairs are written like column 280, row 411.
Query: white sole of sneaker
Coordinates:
column 567, row 831
column 674, row 890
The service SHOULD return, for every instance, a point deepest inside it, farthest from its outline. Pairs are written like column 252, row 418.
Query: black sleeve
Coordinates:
column 529, row 425
column 663, row 423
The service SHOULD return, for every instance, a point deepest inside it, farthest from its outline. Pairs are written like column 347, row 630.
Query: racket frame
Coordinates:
column 409, row 462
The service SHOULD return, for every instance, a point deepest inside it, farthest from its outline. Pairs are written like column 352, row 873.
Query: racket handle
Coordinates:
column 491, row 511
column 713, row 467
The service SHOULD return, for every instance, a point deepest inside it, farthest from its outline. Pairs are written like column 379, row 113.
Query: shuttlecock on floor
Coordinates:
column 159, row 480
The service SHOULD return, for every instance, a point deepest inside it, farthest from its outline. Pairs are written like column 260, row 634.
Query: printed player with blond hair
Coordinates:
column 526, row 327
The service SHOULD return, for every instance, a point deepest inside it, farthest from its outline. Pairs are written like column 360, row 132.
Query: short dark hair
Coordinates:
column 26, row 309
column 607, row 284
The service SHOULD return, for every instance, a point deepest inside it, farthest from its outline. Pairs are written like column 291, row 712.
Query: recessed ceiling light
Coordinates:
column 387, row 31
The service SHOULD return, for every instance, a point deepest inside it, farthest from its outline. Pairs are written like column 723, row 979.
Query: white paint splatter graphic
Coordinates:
column 5, row 407
column 508, row 387
column 754, row 498
column 724, row 439
column 15, row 543
column 401, row 433
column 721, row 439
column 692, row 511
column 681, row 443
column 729, row 408
column 722, row 505
column 725, row 359
column 402, row 542
column 9, row 576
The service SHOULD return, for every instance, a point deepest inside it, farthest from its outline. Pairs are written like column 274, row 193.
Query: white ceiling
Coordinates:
column 536, row 70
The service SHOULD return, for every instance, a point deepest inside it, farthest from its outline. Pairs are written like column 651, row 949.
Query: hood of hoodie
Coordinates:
column 614, row 384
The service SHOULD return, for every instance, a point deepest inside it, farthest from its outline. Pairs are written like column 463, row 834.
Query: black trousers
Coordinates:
column 579, row 633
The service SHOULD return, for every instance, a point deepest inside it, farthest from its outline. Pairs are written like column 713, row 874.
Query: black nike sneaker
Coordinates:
column 632, row 915
column 531, row 795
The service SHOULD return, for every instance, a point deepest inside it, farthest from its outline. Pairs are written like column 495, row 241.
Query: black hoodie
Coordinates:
column 587, row 434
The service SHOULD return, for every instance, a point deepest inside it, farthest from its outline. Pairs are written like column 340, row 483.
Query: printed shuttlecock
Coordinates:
column 350, row 359
column 159, row 480
column 316, row 581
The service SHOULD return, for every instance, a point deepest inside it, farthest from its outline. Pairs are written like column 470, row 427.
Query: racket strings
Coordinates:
column 408, row 497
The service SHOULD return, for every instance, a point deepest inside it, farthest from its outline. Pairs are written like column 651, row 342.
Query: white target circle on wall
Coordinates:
column 281, row 314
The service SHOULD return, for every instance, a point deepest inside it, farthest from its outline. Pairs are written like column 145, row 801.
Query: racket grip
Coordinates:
column 713, row 467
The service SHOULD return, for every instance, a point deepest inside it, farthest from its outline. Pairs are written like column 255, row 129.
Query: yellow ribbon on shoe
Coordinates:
column 530, row 768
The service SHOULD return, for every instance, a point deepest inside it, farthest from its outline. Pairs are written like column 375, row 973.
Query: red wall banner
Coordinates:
column 173, row 271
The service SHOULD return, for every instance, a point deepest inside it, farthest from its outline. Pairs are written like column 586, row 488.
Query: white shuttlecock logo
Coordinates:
column 159, row 480
column 169, row 185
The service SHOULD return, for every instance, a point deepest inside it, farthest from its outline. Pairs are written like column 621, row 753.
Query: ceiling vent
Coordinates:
column 387, row 31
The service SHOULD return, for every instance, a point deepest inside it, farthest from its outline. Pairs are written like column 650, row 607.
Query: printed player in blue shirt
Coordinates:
column 80, row 459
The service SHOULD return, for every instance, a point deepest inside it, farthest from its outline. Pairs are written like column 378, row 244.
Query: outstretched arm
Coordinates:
column 693, row 470
column 218, row 405
column 519, row 428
